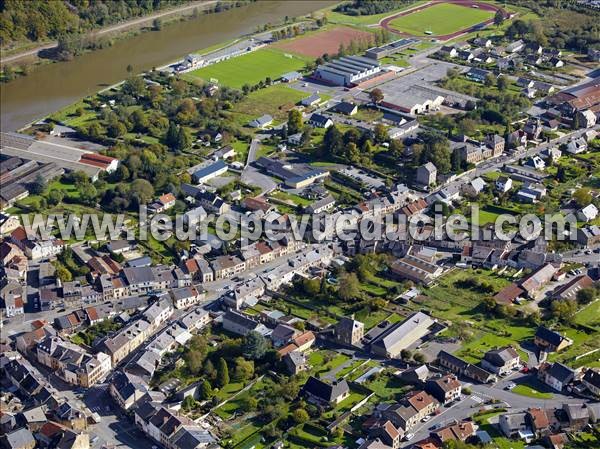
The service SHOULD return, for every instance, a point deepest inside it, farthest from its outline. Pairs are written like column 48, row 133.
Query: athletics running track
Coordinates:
column 385, row 23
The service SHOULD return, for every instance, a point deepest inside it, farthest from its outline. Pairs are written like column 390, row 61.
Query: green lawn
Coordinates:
column 296, row 199
column 589, row 315
column 440, row 19
column 336, row 17
column 250, row 68
column 275, row 100
column 474, row 350
column 387, row 386
column 530, row 392
column 323, row 361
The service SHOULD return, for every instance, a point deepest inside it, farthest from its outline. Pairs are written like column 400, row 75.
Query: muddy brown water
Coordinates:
column 53, row 86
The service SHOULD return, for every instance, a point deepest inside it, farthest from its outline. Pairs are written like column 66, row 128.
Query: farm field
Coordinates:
column 440, row 19
column 321, row 42
column 250, row 68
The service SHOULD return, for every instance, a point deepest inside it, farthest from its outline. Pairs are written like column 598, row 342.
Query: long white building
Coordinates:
column 347, row 70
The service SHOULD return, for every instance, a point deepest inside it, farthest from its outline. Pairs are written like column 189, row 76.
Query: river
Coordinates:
column 53, row 86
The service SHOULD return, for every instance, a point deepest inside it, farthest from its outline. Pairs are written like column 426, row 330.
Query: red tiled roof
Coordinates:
column 304, row 338
column 191, row 266
column 287, row 349
column 166, row 198
column 92, row 313
column 539, row 418
column 19, row 234
column 50, row 429
column 508, row 294
column 420, row 400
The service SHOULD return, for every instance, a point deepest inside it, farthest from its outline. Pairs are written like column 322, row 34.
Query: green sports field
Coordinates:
column 440, row 19
column 251, row 68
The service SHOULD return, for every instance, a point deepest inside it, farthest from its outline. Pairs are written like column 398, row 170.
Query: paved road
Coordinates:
column 497, row 163
column 482, row 393
column 116, row 27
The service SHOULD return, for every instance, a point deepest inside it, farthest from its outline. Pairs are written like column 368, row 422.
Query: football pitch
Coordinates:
column 251, row 68
column 440, row 19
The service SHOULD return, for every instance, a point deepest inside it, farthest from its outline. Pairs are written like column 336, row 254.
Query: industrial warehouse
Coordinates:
column 347, row 70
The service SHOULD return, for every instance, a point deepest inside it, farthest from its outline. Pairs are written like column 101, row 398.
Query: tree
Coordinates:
column 489, row 80
column 563, row 310
column 157, row 24
column 244, row 369
column 300, row 416
column 121, row 174
column 380, row 133
column 467, row 126
column 206, row 391
column 332, row 141
column 38, row 186
column 171, row 135
column 249, row 403
column 367, row 147
column 499, row 18
column 139, row 121
column 189, row 403
column 311, row 286
column 55, row 197
column 349, row 287
column 295, row 123
column 193, row 360
column 94, row 131
column 396, row 148
column 582, row 197
column 352, row 152
column 141, row 190
column 116, row 129
column 184, row 140
column 406, row 354
column 436, row 150
column 376, row 96
column 419, row 357
column 209, row 370
column 502, row 82
column 255, row 346
column 134, row 86
column 88, row 194
column 62, row 273
column 222, row 373
column 586, row 295
column 489, row 304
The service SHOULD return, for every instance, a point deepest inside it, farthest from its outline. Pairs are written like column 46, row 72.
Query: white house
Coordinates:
column 474, row 187
column 503, row 184
column 536, row 162
column 577, row 146
column 588, row 213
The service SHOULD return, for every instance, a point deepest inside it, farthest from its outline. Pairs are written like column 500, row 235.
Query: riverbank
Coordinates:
column 23, row 63
column 32, row 50
column 55, row 86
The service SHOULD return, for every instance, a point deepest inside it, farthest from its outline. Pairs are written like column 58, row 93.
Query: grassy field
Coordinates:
column 274, row 100
column 526, row 390
column 250, row 68
column 440, row 19
column 336, row 17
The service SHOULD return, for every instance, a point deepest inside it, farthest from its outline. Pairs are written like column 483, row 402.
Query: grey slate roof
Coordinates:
column 325, row 391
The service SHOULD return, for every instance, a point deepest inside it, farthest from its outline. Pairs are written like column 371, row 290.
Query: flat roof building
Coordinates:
column 347, row 70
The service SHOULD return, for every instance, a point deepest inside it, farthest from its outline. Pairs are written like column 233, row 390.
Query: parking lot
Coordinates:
column 370, row 181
